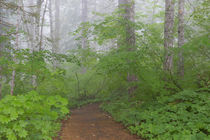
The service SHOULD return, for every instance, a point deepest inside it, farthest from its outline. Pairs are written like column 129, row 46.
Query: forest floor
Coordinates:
column 91, row 123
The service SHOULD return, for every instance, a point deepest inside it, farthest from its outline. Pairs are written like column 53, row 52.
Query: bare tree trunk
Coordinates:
column 153, row 11
column 32, row 26
column 38, row 16
column 84, row 20
column 51, row 26
column 181, row 39
column 42, row 26
column 0, row 72
column 17, row 46
column 28, row 26
column 0, row 84
column 57, row 25
column 128, row 7
column 168, row 34
column 1, row 49
column 13, row 82
column 131, row 37
column 95, row 6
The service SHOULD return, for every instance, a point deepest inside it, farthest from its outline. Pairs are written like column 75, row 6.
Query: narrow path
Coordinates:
column 90, row 123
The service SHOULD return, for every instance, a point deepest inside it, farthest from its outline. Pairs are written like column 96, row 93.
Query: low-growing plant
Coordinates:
column 183, row 116
column 31, row 116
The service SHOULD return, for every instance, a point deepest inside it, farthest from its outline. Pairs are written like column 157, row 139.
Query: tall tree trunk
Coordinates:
column 51, row 25
column 181, row 39
column 128, row 7
column 17, row 46
column 37, row 19
column 153, row 11
column 42, row 26
column 57, row 25
column 32, row 26
column 0, row 82
column 95, row 6
column 168, row 34
column 0, row 68
column 1, row 49
column 28, row 26
column 84, row 20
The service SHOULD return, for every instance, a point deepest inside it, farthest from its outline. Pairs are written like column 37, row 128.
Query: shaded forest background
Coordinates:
column 146, row 61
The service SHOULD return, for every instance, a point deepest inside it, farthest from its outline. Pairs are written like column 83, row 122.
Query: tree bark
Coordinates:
column 153, row 11
column 129, row 38
column 84, row 20
column 29, row 26
column 42, row 26
column 37, row 19
column 32, row 26
column 181, row 38
column 128, row 13
column 0, row 71
column 0, row 79
column 168, row 34
column 1, row 49
column 51, row 26
column 57, row 25
column 17, row 46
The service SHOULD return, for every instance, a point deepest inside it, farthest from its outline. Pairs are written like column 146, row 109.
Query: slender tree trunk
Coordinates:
column 51, row 26
column 181, row 39
column 13, row 82
column 0, row 72
column 32, row 30
column 57, row 25
column 153, row 11
column 168, row 34
column 17, row 46
column 84, row 20
column 42, row 26
column 1, row 49
column 28, row 27
column 0, row 84
column 95, row 6
column 37, row 19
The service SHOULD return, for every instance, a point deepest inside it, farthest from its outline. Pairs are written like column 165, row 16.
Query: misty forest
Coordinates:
column 104, row 69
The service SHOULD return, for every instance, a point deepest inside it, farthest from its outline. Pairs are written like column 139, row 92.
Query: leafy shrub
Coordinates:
column 183, row 116
column 31, row 116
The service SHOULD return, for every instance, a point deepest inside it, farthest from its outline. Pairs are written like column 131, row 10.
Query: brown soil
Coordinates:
column 90, row 123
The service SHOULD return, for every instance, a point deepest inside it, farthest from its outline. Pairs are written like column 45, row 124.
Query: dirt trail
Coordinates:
column 90, row 123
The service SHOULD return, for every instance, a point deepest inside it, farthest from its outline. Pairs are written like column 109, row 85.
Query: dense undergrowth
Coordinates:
column 31, row 116
column 183, row 116
column 39, row 100
column 173, row 109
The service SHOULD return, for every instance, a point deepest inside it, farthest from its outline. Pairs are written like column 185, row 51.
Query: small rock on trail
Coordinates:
column 90, row 123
